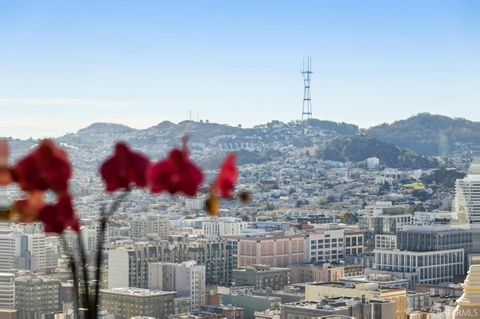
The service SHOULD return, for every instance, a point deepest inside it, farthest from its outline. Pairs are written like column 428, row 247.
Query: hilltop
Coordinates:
column 429, row 134
column 359, row 148
column 399, row 144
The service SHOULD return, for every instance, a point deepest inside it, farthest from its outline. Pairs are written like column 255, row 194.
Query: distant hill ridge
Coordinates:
column 429, row 134
column 359, row 148
column 426, row 134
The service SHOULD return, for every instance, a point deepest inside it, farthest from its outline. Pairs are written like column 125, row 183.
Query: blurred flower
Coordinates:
column 59, row 216
column 6, row 214
column 27, row 209
column 212, row 205
column 124, row 168
column 227, row 177
column 245, row 197
column 46, row 167
column 175, row 174
column 5, row 174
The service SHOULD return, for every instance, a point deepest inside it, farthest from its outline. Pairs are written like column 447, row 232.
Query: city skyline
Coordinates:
column 177, row 160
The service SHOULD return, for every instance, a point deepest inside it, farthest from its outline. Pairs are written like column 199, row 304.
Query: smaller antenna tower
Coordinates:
column 307, row 99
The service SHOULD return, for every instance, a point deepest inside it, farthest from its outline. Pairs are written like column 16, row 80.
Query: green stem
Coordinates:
column 83, row 259
column 100, row 242
column 73, row 269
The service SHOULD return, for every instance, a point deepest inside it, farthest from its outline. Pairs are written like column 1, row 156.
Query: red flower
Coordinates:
column 124, row 169
column 59, row 216
column 46, row 167
column 176, row 173
column 227, row 178
column 28, row 208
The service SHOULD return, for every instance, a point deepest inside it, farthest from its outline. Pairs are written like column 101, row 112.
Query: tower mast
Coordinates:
column 307, row 99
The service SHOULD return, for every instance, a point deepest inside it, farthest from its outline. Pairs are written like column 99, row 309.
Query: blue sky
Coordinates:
column 66, row 64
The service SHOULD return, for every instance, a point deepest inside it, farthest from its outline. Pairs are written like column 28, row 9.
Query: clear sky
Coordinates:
column 66, row 64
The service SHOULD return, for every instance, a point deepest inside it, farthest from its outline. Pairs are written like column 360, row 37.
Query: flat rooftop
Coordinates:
column 138, row 292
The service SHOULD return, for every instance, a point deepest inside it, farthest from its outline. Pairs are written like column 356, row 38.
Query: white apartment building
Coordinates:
column 431, row 216
column 7, row 248
column 37, row 249
column 7, row 291
column 223, row 226
column 373, row 162
column 89, row 236
column 354, row 242
column 385, row 241
column 187, row 279
column 194, row 203
column 325, row 245
column 119, row 267
column 379, row 209
column 421, row 267
column 467, row 199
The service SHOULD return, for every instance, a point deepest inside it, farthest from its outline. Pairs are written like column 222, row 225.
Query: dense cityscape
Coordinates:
column 357, row 236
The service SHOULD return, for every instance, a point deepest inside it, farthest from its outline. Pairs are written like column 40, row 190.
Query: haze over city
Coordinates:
column 65, row 65
column 276, row 159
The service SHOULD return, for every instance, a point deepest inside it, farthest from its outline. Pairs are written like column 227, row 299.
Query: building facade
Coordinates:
column 325, row 246
column 7, row 289
column 262, row 277
column 426, row 267
column 125, row 303
column 128, row 265
column 223, row 226
column 152, row 225
column 36, row 296
column 320, row 291
column 434, row 238
column 467, row 199
column 325, row 272
column 187, row 279
column 7, row 248
column 276, row 251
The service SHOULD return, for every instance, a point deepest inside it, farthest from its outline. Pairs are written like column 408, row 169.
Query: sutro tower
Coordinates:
column 307, row 99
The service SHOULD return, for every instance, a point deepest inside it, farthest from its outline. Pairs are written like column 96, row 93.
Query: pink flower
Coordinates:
column 125, row 168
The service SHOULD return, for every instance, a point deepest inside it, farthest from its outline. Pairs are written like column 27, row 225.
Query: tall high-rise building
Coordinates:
column 467, row 195
column 31, row 252
column 36, row 247
column 187, row 279
column 7, row 294
column 7, row 248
